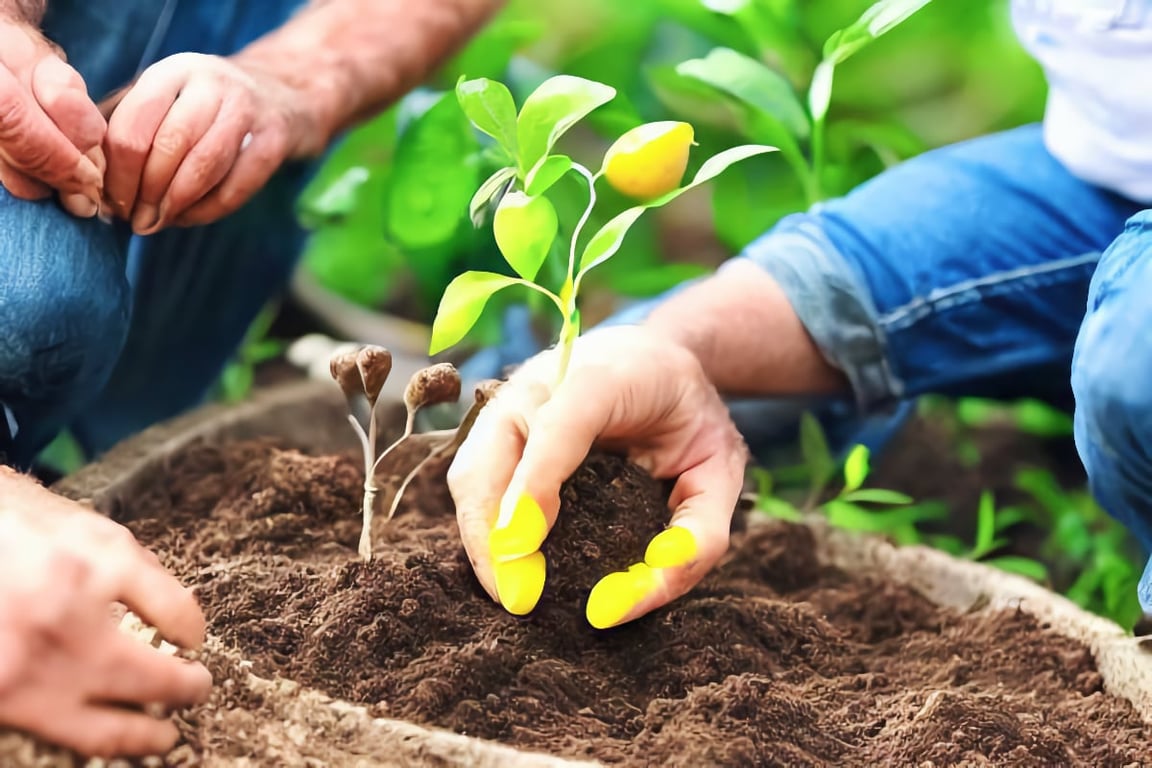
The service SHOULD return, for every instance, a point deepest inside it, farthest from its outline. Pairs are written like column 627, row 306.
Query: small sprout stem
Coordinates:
column 483, row 394
column 583, row 219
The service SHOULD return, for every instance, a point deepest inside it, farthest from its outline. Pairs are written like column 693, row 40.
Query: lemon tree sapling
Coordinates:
column 646, row 164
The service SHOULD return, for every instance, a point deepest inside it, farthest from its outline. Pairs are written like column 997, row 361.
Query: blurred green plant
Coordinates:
column 891, row 514
column 239, row 375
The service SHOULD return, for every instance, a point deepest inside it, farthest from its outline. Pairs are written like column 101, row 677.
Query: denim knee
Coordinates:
column 64, row 310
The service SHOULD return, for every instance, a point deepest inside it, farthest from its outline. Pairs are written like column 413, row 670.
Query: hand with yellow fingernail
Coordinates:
column 532, row 544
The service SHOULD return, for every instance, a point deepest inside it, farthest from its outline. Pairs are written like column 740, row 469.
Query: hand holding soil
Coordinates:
column 626, row 389
column 50, row 130
column 66, row 673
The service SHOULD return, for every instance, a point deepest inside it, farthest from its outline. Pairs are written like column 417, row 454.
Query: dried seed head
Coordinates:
column 433, row 385
column 375, row 363
column 485, row 390
column 342, row 366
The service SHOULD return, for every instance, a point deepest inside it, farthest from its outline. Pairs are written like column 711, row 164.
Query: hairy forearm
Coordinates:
column 351, row 58
column 750, row 342
column 30, row 11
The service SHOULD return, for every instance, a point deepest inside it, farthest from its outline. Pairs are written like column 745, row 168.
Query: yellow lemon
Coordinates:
column 649, row 160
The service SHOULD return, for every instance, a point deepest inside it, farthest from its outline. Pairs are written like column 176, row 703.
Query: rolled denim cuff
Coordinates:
column 833, row 304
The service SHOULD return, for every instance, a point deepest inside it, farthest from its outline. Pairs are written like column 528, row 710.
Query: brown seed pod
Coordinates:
column 342, row 366
column 433, row 385
column 375, row 363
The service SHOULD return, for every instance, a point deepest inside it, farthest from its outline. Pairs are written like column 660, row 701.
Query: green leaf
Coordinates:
column 525, row 228
column 339, row 198
column 490, row 107
column 814, row 448
column 877, row 496
column 607, row 241
column 432, row 181
column 985, row 522
column 490, row 193
column 779, row 509
column 461, row 305
column 559, row 103
column 545, row 173
column 855, row 468
column 1022, row 566
column 879, row 19
column 718, row 163
column 820, row 90
column 751, row 83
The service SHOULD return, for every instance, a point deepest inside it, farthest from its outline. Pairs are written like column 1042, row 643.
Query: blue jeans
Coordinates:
column 106, row 332
column 986, row 269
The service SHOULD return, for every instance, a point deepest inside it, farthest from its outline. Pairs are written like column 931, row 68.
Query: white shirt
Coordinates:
column 1098, row 58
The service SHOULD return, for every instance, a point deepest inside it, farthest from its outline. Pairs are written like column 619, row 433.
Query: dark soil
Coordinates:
column 772, row 660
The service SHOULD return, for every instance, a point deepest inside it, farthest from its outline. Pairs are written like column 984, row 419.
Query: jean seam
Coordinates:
column 972, row 291
column 833, row 305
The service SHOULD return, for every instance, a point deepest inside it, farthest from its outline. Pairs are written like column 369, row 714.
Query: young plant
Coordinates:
column 647, row 163
column 362, row 373
column 772, row 109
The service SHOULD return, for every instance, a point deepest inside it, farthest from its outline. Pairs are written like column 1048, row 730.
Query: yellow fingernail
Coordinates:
column 615, row 595
column 671, row 548
column 520, row 582
column 521, row 534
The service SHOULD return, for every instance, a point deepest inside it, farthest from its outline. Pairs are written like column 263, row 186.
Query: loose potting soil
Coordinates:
column 773, row 660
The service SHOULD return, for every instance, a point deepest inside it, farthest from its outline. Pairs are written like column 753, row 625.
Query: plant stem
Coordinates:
column 583, row 219
column 818, row 159
column 365, row 547
column 568, row 334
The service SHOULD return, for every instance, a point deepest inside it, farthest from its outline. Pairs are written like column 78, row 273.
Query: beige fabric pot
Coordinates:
column 311, row 416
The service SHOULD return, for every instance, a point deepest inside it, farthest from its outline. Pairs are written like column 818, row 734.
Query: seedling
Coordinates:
column 362, row 373
column 646, row 163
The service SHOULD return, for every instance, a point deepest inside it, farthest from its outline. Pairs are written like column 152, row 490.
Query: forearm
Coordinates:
column 742, row 328
column 352, row 58
column 30, row 11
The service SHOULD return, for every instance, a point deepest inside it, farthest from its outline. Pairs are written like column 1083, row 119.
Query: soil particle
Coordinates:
column 773, row 660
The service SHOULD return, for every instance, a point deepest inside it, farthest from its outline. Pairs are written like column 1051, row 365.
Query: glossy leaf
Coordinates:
column 489, row 194
column 546, row 172
column 879, row 19
column 525, row 229
column 551, row 110
column 431, row 183
column 751, row 83
column 460, row 307
column 856, row 468
column 491, row 108
column 814, row 450
column 820, row 90
column 877, row 496
column 607, row 241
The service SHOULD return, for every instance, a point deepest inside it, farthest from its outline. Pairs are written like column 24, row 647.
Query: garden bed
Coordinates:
column 805, row 647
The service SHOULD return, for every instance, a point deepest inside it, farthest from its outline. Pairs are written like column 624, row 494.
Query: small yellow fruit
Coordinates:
column 649, row 160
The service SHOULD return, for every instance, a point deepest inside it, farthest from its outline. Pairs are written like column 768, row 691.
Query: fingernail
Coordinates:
column 671, row 548
column 617, row 594
column 80, row 206
column 521, row 534
column 145, row 219
column 520, row 582
column 88, row 174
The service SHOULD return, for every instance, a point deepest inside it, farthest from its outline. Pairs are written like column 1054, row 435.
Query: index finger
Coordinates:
column 158, row 598
column 33, row 144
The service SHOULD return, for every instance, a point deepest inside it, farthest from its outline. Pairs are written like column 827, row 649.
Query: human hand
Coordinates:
column 67, row 673
column 50, row 130
column 195, row 136
column 626, row 388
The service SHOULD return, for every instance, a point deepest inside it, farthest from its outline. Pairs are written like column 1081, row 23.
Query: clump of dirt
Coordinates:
column 774, row 659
